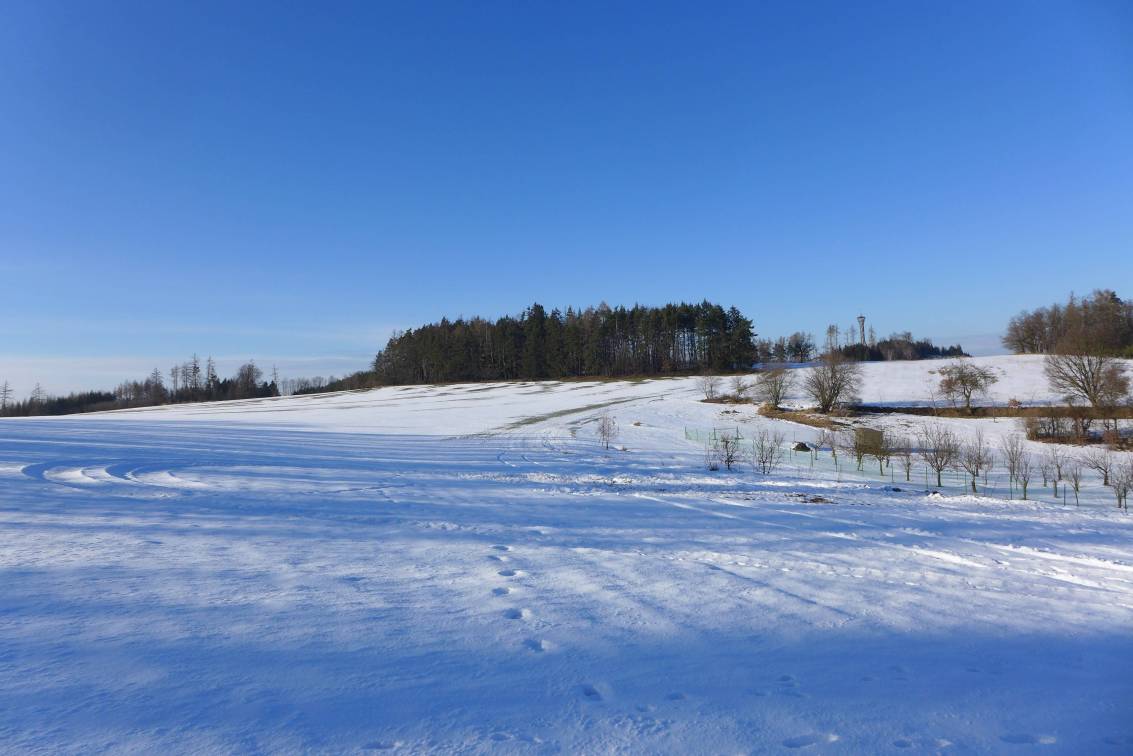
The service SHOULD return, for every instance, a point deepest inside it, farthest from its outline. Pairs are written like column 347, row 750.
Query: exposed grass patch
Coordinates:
column 803, row 417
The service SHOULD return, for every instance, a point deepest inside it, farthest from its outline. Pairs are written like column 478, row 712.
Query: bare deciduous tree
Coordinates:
column 1101, row 462
column 1074, row 475
column 772, row 386
column 712, row 455
column 939, row 448
column 1023, row 473
column 833, row 382
column 974, row 457
column 1013, row 449
column 882, row 450
column 767, row 451
column 1121, row 481
column 1055, row 461
column 1096, row 378
column 963, row 380
column 607, row 429
column 855, row 445
column 729, row 450
column 5, row 395
column 905, row 453
column 828, row 438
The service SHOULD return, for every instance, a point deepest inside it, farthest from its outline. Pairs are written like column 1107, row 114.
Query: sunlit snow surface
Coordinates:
column 463, row 569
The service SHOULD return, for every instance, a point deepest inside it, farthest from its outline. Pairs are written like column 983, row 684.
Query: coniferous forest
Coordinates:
column 536, row 345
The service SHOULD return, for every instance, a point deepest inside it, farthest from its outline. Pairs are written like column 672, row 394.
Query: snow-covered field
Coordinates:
column 463, row 568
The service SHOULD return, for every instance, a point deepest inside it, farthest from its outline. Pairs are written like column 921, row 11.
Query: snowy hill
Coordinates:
column 464, row 569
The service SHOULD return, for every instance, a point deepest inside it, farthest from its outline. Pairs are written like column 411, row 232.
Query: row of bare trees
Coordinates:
column 728, row 449
column 940, row 450
column 834, row 382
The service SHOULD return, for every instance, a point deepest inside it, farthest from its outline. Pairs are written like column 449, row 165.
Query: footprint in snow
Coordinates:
column 502, row 548
column 535, row 646
column 495, row 558
column 501, row 591
column 591, row 693
column 1119, row 740
column 902, row 743
column 516, row 614
column 382, row 745
column 509, row 573
column 805, row 741
column 1026, row 738
column 676, row 696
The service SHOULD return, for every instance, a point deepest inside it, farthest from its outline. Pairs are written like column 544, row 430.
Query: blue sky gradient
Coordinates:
column 292, row 181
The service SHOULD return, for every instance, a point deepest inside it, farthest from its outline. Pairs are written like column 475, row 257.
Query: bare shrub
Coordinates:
column 772, row 386
column 709, row 385
column 740, row 387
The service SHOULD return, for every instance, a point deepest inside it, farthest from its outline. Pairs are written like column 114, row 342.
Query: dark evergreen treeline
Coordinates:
column 82, row 401
column 536, row 345
column 188, row 382
column 800, row 347
column 900, row 346
column 1101, row 323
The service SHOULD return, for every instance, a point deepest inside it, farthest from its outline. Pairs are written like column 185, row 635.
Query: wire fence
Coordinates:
column 823, row 464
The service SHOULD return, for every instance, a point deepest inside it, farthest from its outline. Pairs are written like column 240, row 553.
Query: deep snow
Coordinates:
column 462, row 568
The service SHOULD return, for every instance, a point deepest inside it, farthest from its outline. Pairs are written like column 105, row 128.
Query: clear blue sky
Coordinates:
column 294, row 180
